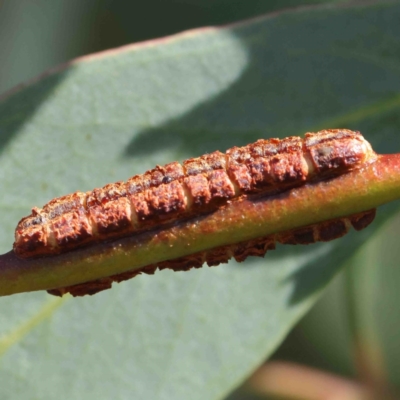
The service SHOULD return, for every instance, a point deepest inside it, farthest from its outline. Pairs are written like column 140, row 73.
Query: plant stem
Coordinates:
column 290, row 381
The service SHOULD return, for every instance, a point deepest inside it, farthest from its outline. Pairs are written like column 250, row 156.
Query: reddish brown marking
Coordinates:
column 62, row 205
column 166, row 201
column 112, row 217
column 32, row 240
column 220, row 186
column 71, row 228
column 255, row 248
column 108, row 210
column 83, row 289
column 199, row 192
column 362, row 220
column 335, row 150
column 332, row 230
column 218, row 255
column 183, row 263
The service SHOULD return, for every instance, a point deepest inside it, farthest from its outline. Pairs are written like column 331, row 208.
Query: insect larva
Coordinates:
column 199, row 185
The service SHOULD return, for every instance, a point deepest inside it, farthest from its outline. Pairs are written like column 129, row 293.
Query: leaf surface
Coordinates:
column 105, row 118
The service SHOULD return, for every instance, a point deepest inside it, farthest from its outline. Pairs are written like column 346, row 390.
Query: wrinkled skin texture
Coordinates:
column 198, row 185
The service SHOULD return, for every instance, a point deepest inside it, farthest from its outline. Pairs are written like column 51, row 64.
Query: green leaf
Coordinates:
column 197, row 334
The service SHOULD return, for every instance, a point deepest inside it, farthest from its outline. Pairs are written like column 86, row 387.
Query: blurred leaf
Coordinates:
column 37, row 35
column 374, row 295
column 198, row 334
column 384, row 299
column 176, row 15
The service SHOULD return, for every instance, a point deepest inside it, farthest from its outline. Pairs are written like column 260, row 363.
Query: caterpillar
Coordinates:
column 197, row 186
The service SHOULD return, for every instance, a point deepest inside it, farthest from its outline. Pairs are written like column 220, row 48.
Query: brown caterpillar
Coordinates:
column 196, row 186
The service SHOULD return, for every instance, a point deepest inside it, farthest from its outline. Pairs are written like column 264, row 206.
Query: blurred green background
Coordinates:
column 37, row 35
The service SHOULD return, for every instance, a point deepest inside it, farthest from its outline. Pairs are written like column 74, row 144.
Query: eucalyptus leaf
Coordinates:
column 104, row 118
